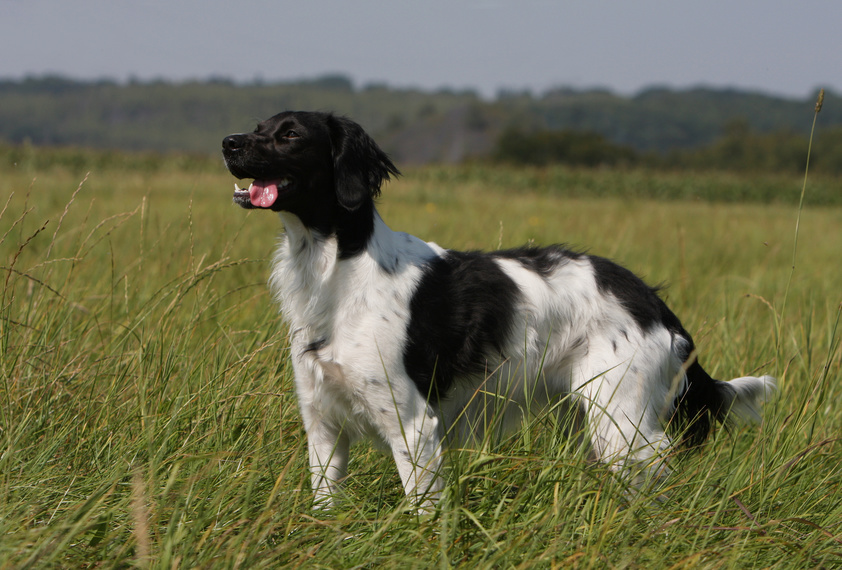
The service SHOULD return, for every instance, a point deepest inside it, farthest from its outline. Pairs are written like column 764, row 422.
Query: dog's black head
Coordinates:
column 321, row 167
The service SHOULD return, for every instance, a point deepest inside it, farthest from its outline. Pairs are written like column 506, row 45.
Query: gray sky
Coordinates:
column 784, row 48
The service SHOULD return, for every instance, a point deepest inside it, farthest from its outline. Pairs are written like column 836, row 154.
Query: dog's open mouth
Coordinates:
column 260, row 193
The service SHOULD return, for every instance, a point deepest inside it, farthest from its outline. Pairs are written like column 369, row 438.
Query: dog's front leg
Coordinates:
column 327, row 445
column 328, row 451
column 416, row 442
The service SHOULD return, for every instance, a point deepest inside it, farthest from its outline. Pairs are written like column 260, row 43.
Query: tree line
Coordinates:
column 739, row 148
column 696, row 128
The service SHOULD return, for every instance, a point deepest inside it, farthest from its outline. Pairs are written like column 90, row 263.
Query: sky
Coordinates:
column 779, row 47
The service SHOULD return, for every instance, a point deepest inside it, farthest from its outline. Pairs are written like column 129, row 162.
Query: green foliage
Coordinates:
column 740, row 149
column 559, row 147
column 147, row 415
column 187, row 117
column 642, row 183
column 745, row 150
column 415, row 126
column 26, row 158
column 662, row 119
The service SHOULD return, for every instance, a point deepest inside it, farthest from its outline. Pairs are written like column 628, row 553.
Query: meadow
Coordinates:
column 148, row 419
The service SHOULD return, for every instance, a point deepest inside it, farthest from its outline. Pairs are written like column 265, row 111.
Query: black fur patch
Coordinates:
column 461, row 313
column 639, row 299
column 704, row 400
column 315, row 346
column 353, row 229
column 541, row 260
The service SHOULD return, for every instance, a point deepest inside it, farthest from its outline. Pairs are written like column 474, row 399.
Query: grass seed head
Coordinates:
column 820, row 100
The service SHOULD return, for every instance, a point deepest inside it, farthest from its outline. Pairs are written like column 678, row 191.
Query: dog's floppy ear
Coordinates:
column 359, row 166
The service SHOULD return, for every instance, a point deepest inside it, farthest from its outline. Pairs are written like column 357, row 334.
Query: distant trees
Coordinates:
column 194, row 115
column 739, row 148
column 569, row 147
column 742, row 149
column 661, row 128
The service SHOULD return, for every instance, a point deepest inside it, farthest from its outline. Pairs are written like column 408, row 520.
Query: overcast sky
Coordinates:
column 783, row 48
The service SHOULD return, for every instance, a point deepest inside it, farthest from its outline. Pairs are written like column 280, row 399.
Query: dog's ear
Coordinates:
column 359, row 166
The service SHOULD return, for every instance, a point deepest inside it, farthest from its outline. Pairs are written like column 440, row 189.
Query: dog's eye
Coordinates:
column 291, row 135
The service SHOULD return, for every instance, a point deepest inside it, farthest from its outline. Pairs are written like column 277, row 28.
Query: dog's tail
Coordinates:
column 706, row 399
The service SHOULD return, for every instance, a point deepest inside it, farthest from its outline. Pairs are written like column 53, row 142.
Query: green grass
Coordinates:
column 147, row 416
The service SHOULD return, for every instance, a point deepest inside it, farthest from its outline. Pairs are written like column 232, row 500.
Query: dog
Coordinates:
column 417, row 347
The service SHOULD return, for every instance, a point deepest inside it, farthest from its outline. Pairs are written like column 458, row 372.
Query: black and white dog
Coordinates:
column 415, row 346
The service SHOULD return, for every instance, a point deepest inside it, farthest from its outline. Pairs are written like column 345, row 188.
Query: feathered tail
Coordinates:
column 706, row 399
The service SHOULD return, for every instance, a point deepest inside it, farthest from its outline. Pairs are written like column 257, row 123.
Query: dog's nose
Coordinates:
column 232, row 142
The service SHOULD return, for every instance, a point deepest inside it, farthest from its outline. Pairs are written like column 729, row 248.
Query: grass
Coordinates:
column 147, row 417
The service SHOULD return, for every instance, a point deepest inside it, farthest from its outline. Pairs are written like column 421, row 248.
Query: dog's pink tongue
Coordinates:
column 263, row 194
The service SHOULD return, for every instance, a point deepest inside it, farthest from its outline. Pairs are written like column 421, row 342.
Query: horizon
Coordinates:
column 358, row 85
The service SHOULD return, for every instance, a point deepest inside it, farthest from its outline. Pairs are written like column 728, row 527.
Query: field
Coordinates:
column 147, row 416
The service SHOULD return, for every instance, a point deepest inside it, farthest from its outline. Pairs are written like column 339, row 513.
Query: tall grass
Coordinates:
column 147, row 417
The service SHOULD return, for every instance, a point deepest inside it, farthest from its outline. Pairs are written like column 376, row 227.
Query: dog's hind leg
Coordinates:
column 623, row 406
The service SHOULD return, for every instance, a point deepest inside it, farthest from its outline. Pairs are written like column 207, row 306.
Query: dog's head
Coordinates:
column 307, row 163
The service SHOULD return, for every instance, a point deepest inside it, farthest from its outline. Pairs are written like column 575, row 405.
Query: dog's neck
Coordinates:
column 351, row 229
column 348, row 235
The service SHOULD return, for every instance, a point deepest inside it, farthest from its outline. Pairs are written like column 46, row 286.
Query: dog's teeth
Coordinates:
column 236, row 188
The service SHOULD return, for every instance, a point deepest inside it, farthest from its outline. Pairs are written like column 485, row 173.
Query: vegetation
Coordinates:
column 191, row 116
column 743, row 149
column 560, row 147
column 696, row 127
column 629, row 180
column 147, row 416
column 739, row 149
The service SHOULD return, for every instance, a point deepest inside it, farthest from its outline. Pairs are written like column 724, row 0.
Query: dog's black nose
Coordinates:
column 232, row 142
